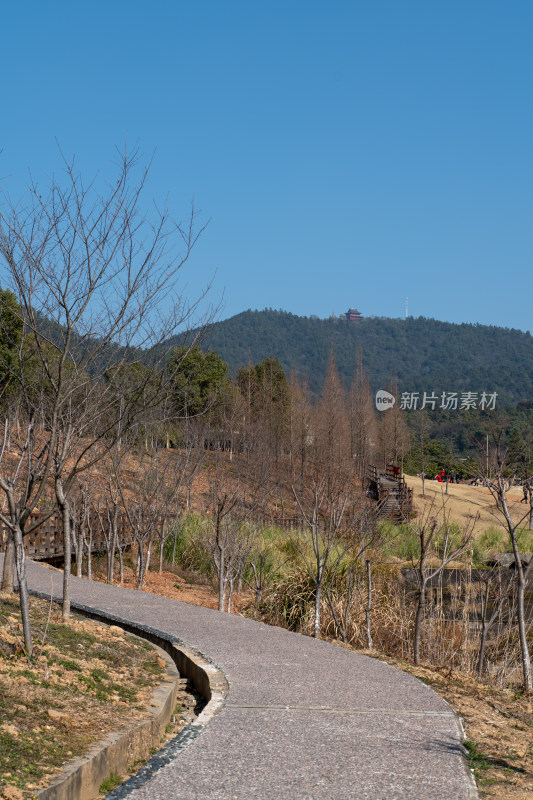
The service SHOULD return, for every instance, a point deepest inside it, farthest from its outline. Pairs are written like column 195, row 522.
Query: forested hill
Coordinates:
column 424, row 354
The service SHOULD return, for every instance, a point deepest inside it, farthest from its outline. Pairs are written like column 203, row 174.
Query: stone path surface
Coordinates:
column 303, row 719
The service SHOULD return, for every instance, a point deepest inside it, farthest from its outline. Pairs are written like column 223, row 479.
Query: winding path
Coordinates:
column 303, row 719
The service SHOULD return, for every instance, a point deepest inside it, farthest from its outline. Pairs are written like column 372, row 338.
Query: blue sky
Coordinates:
column 347, row 154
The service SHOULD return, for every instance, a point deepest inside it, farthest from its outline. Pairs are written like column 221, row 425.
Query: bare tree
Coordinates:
column 499, row 487
column 180, row 466
column 81, row 509
column 266, row 392
column 300, row 430
column 363, row 426
column 231, row 539
column 493, row 594
column 435, row 538
column 106, row 515
column 327, row 499
column 222, row 503
column 395, row 437
column 94, row 278
column 343, row 583
column 148, row 498
column 240, row 489
column 263, row 564
column 330, row 513
column 22, row 479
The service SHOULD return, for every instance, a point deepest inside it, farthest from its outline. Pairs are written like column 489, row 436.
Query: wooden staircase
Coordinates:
column 393, row 498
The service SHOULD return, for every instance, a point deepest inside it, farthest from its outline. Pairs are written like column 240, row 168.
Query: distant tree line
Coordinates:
column 422, row 354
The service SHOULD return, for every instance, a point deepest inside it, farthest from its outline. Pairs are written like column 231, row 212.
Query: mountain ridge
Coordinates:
column 422, row 354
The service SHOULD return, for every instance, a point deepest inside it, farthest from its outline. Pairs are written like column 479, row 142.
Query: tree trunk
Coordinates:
column 368, row 605
column 481, row 654
column 522, row 630
column 111, row 557
column 258, row 580
column 8, row 577
column 121, row 564
column 141, row 567
column 318, row 598
column 499, row 491
column 113, row 541
column 89, row 561
column 148, row 555
column 79, row 552
column 230, row 595
column 420, row 612
column 76, row 552
column 67, row 562
column 174, row 545
column 221, row 580
column 20, row 560
column 88, row 546
column 64, row 508
column 521, row 580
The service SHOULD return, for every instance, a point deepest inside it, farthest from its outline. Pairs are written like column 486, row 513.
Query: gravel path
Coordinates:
column 303, row 719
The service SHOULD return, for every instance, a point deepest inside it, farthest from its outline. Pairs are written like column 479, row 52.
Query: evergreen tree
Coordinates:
column 11, row 327
column 199, row 377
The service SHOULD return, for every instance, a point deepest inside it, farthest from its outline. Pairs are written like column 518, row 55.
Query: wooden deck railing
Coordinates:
column 392, row 495
column 46, row 541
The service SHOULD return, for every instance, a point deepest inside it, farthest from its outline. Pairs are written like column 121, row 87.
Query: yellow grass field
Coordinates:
column 464, row 502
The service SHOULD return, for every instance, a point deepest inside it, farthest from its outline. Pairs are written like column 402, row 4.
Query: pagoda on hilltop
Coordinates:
column 352, row 315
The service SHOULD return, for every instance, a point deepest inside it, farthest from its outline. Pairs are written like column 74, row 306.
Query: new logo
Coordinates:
column 384, row 400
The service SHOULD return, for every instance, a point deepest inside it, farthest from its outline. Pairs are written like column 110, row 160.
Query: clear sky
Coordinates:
column 347, row 153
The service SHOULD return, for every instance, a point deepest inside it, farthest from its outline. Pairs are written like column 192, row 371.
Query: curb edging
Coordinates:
column 82, row 777
column 118, row 750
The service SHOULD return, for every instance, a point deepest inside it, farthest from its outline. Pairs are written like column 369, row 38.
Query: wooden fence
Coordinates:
column 46, row 541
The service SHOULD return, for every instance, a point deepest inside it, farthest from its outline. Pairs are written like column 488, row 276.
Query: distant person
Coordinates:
column 526, row 490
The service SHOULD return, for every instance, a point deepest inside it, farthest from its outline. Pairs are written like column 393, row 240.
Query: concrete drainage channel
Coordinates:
column 81, row 780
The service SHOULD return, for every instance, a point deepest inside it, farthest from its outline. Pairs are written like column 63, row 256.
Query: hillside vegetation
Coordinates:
column 424, row 354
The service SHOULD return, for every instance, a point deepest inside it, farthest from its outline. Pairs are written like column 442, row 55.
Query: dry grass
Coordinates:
column 85, row 680
column 464, row 502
